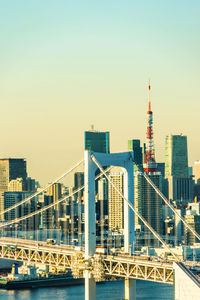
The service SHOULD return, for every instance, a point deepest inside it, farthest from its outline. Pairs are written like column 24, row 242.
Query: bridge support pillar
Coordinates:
column 90, row 286
column 129, row 218
column 130, row 289
column 186, row 285
column 124, row 160
column 90, row 224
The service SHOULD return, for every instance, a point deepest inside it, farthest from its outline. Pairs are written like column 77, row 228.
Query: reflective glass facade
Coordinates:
column 97, row 141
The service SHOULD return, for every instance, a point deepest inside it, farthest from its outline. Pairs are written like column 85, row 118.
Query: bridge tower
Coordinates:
column 124, row 160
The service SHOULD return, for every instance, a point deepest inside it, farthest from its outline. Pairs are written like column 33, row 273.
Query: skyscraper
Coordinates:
column 134, row 145
column 115, row 202
column 147, row 202
column 194, row 221
column 10, row 169
column 55, row 190
column 180, row 190
column 103, row 206
column 78, row 182
column 176, row 170
column 97, row 141
column 103, row 196
column 176, row 156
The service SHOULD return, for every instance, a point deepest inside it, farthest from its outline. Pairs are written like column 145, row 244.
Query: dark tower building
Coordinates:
column 97, row 141
column 134, row 145
column 10, row 169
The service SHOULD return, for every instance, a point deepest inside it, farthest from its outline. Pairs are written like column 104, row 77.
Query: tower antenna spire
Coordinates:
column 150, row 163
column 149, row 100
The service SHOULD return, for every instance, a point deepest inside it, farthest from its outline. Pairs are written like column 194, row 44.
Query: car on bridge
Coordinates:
column 51, row 241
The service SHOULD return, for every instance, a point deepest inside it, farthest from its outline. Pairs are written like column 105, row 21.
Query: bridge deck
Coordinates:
column 102, row 266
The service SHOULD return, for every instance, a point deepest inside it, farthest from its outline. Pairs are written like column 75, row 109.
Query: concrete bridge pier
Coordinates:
column 90, row 286
column 130, row 289
column 90, row 225
column 186, row 284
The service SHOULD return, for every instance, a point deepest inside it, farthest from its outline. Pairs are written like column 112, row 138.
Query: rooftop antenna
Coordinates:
column 149, row 100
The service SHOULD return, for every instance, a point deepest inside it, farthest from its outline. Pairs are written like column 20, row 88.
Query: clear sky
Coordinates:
column 67, row 64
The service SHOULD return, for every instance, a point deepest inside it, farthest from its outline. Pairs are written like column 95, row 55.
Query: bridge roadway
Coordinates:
column 101, row 266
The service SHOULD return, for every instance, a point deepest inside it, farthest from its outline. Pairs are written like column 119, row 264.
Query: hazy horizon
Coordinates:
column 68, row 64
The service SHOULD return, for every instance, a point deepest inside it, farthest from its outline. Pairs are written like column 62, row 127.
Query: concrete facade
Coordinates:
column 186, row 285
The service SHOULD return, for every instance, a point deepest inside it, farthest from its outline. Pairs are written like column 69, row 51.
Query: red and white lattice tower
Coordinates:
column 150, row 163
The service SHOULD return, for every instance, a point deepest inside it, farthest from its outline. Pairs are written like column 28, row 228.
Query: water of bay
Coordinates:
column 106, row 291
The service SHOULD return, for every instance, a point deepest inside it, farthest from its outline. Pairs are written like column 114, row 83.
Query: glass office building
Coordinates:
column 176, row 156
column 97, row 141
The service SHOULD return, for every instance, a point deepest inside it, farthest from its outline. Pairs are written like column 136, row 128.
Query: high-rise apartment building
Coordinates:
column 194, row 221
column 97, row 141
column 55, row 191
column 11, row 169
column 176, row 156
column 102, row 206
column 116, row 202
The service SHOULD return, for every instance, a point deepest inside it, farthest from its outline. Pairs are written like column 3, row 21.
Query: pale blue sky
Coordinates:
column 67, row 64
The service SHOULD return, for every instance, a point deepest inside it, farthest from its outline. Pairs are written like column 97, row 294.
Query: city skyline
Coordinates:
column 67, row 66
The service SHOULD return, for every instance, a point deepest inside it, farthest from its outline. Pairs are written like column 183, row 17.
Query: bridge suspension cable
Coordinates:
column 135, row 211
column 170, row 206
column 41, row 191
column 17, row 220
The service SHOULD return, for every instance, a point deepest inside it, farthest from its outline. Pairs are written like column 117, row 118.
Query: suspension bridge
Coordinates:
column 84, row 261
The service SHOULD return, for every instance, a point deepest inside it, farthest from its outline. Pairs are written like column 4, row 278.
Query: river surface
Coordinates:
column 107, row 291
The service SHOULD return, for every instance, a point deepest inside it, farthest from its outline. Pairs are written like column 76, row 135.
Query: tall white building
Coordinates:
column 116, row 207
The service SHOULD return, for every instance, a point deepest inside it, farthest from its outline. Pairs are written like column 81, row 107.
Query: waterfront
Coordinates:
column 108, row 291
